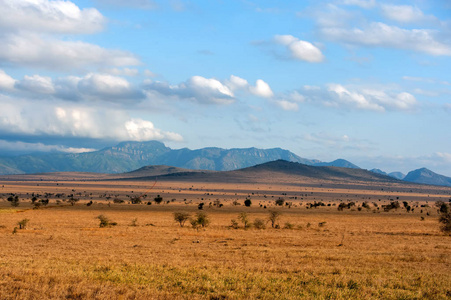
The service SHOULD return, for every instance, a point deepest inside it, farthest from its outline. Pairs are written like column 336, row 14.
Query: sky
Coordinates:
column 364, row 80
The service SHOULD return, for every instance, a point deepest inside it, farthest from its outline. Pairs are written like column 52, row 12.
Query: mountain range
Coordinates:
column 129, row 156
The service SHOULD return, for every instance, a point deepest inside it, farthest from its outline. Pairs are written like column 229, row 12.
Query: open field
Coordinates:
column 327, row 254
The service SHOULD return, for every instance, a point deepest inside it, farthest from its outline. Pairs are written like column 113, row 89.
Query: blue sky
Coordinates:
column 363, row 80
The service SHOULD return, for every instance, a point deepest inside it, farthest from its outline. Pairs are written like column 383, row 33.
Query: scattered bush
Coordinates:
column 234, row 224
column 243, row 217
column 14, row 199
column 445, row 220
column 200, row 206
column 392, row 205
column 280, row 201
column 118, row 201
column 288, row 225
column 259, row 224
column 158, row 199
column 201, row 220
column 248, row 202
column 23, row 224
column 348, row 205
column 135, row 200
column 105, row 222
column 73, row 200
column 134, row 222
column 181, row 218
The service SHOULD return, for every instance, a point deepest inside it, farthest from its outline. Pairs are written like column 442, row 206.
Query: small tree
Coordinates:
column 245, row 220
column 158, row 199
column 274, row 218
column 201, row 219
column 181, row 218
column 248, row 202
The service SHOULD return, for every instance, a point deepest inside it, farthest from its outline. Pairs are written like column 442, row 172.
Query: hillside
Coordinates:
column 342, row 163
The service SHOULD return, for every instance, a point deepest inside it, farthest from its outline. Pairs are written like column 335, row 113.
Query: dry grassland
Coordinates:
column 355, row 254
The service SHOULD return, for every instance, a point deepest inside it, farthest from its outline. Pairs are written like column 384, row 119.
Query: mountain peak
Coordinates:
column 426, row 176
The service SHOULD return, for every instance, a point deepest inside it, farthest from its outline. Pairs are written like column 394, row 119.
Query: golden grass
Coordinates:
column 63, row 254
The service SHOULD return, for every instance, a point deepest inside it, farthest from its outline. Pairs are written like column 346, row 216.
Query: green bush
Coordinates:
column 181, row 218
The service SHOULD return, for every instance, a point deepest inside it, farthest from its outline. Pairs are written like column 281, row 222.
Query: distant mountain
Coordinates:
column 285, row 171
column 342, row 163
column 426, row 176
column 397, row 175
column 128, row 156
column 379, row 171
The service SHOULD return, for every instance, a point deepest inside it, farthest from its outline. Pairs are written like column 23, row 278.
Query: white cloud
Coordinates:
column 49, row 16
column 44, row 118
column 123, row 72
column 107, row 87
column 300, row 50
column 287, row 105
column 361, row 3
column 36, row 84
column 382, row 35
column 352, row 99
column 18, row 146
column 210, row 90
column 6, row 82
column 261, row 89
column 33, row 50
column 405, row 13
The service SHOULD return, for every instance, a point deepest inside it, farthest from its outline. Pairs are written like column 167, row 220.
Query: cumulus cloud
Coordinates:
column 6, row 82
column 49, row 16
column 92, row 86
column 122, row 71
column 210, row 90
column 378, row 34
column 405, row 13
column 299, row 49
column 19, row 117
column 261, row 89
column 353, row 97
column 108, row 87
column 36, row 84
column 49, row 53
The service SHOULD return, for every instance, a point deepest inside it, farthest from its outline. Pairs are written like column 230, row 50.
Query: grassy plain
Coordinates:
column 357, row 253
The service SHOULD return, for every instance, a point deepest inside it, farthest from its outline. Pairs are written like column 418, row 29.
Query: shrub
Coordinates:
column 134, row 222
column 288, row 225
column 23, row 224
column 72, row 200
column 158, row 199
column 136, row 200
column 181, row 218
column 445, row 222
column 201, row 219
column 200, row 206
column 118, row 201
column 273, row 218
column 243, row 217
column 234, row 224
column 248, row 202
column 105, row 222
column 259, row 224
column 280, row 201
column 14, row 200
